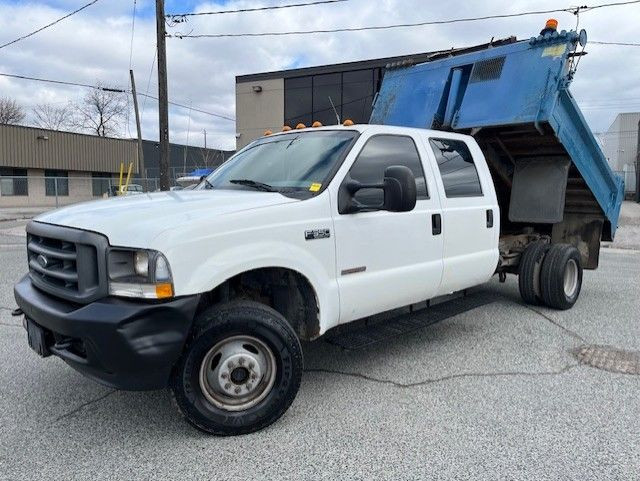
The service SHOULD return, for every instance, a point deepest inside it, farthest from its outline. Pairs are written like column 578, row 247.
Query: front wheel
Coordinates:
column 240, row 372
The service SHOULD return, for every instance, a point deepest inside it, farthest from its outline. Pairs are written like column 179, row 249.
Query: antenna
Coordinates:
column 335, row 111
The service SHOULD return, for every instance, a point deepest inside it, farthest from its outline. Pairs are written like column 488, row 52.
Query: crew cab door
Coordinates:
column 387, row 259
column 470, row 216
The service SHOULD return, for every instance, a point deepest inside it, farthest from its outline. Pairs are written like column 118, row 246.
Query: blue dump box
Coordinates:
column 550, row 173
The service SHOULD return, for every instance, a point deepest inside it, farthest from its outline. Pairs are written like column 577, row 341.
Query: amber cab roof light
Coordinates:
column 316, row 124
column 301, row 126
column 286, row 128
column 348, row 123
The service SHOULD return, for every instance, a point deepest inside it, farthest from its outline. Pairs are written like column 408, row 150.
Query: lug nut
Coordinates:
column 227, row 386
column 224, row 375
column 251, row 365
column 253, row 376
column 230, row 364
column 241, row 361
column 237, row 390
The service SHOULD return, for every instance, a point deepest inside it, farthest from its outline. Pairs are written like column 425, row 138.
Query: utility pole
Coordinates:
column 163, row 97
column 135, row 109
column 205, row 138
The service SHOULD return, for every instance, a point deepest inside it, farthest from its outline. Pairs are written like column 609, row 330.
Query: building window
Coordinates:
column 459, row 174
column 310, row 98
column 327, row 95
column 100, row 182
column 13, row 182
column 358, row 90
column 380, row 152
column 298, row 101
column 56, row 182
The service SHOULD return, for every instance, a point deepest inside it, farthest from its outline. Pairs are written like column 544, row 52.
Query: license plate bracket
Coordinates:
column 37, row 337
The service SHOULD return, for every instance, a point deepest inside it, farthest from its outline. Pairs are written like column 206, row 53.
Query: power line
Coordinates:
column 48, row 25
column 110, row 89
column 399, row 25
column 176, row 104
column 622, row 44
column 255, row 9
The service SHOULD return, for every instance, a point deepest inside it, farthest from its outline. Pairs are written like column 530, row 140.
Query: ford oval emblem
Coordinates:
column 42, row 260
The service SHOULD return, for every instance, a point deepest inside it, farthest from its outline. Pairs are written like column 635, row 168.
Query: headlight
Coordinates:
column 139, row 273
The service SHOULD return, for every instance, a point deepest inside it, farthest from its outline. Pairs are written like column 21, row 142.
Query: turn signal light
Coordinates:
column 164, row 290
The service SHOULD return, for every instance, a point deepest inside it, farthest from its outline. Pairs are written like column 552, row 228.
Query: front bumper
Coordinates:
column 124, row 344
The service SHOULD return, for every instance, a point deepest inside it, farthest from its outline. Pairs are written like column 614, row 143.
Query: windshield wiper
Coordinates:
column 207, row 184
column 254, row 184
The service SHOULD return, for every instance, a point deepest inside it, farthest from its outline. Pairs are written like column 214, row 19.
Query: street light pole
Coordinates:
column 163, row 97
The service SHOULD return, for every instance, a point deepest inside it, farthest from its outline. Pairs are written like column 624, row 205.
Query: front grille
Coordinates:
column 54, row 261
column 67, row 263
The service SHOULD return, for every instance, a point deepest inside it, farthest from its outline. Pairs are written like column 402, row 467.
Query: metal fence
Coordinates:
column 629, row 176
column 45, row 191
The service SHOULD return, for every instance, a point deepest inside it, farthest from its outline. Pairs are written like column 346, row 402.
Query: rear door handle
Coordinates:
column 436, row 224
column 489, row 218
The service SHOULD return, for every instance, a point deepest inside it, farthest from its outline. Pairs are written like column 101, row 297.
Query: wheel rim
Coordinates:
column 571, row 278
column 237, row 373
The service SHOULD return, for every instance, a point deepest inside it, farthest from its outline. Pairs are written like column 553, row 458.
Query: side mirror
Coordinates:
column 398, row 185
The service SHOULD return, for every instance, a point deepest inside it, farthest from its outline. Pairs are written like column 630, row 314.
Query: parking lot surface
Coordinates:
column 493, row 392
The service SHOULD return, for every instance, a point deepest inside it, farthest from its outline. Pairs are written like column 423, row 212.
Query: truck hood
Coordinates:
column 135, row 220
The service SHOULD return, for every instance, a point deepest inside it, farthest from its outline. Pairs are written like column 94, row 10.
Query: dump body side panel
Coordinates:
column 514, row 100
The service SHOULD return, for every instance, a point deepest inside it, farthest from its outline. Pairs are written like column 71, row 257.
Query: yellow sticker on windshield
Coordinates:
column 315, row 187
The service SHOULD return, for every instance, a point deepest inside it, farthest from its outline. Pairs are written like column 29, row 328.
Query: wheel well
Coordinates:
column 285, row 290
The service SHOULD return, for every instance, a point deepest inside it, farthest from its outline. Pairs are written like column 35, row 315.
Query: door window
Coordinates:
column 380, row 152
column 458, row 172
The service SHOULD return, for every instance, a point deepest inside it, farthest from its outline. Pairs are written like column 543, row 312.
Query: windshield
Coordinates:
column 299, row 163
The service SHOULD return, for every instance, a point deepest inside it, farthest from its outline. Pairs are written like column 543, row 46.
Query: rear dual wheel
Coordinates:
column 550, row 275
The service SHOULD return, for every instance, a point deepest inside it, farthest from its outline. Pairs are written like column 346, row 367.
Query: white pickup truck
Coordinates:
column 209, row 292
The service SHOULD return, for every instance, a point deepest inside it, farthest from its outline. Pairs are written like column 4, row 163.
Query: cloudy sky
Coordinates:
column 94, row 46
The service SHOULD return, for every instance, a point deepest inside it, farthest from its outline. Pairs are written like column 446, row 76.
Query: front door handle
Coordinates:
column 436, row 224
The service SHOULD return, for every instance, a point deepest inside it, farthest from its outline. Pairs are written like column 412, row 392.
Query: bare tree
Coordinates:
column 101, row 112
column 207, row 156
column 11, row 112
column 48, row 116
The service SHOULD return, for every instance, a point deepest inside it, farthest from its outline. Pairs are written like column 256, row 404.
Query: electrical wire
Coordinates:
column 399, row 25
column 620, row 44
column 255, row 9
column 48, row 25
column 153, row 62
column 116, row 90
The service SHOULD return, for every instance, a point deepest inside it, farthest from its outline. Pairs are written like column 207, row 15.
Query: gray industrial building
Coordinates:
column 40, row 167
column 267, row 101
column 620, row 146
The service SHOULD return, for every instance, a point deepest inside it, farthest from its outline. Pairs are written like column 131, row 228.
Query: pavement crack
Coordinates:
column 83, row 405
column 450, row 377
column 568, row 331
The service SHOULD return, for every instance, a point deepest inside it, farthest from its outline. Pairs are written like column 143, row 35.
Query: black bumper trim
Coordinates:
column 124, row 344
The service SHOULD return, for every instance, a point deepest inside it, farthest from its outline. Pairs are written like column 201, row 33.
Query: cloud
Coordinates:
column 95, row 46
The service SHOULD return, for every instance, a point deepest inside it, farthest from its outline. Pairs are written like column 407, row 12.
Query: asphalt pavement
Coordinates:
column 493, row 393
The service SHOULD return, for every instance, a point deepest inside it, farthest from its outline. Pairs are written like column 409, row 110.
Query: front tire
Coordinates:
column 240, row 372
column 561, row 276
